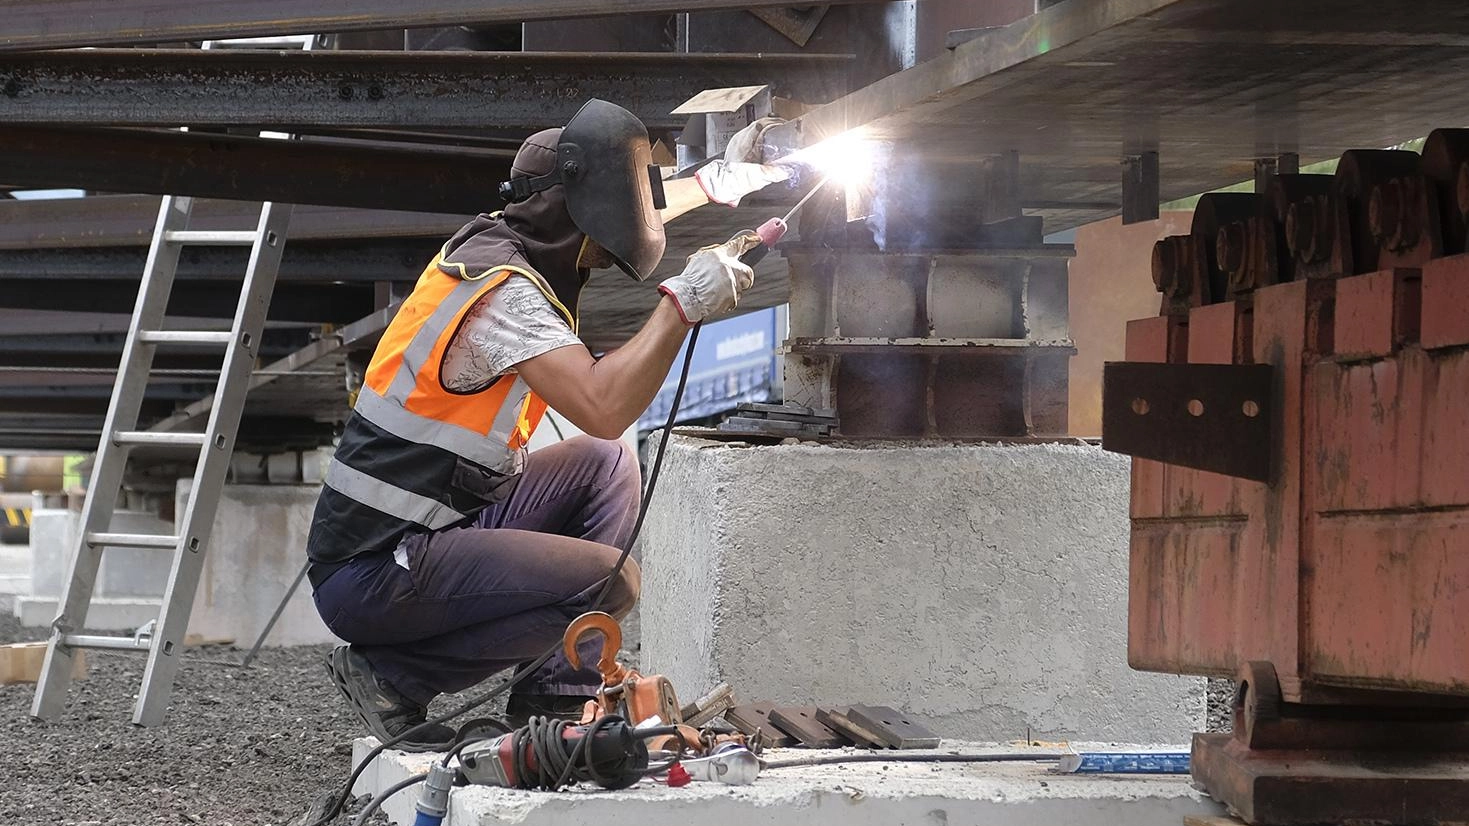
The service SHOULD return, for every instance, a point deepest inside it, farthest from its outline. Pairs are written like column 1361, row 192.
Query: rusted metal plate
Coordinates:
column 1183, row 596
column 1212, row 417
column 1304, row 788
column 801, row 723
column 839, row 722
column 895, row 728
column 1445, row 321
column 1377, row 313
column 1220, row 333
column 754, row 718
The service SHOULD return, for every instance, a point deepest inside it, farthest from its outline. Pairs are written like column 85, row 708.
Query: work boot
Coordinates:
column 384, row 711
column 521, row 707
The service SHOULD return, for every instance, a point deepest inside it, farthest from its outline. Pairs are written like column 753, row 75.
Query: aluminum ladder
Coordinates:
column 120, row 434
column 164, row 641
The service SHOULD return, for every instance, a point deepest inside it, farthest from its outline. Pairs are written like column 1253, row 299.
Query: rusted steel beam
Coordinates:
column 50, row 24
column 253, row 169
column 382, row 90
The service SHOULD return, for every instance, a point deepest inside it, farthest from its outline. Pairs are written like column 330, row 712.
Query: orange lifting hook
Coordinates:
column 613, row 672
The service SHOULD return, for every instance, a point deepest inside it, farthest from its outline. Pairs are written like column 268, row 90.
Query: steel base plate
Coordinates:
column 1304, row 788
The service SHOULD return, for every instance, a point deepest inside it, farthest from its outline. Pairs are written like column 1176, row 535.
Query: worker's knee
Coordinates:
column 619, row 464
column 625, row 590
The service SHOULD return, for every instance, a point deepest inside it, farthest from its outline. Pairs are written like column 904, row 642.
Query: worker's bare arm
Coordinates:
column 682, row 195
column 605, row 397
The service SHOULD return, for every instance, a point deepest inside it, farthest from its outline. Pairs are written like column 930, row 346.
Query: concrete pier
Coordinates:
column 982, row 588
column 862, row 794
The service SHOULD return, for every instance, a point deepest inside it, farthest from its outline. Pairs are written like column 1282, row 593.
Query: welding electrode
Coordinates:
column 773, row 230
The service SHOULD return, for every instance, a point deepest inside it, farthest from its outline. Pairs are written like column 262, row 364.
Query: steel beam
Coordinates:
column 128, row 221
column 326, row 303
column 298, row 90
column 253, row 169
column 50, row 24
column 370, row 260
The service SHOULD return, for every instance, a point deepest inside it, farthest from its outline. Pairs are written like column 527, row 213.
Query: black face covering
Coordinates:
column 536, row 233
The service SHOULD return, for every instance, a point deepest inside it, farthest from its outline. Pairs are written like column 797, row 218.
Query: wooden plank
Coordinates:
column 21, row 663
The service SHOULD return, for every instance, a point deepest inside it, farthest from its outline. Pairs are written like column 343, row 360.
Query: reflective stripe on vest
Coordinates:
column 404, row 396
column 393, row 501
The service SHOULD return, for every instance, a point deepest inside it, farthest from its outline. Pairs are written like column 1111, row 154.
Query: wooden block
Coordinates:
column 800, row 722
column 894, row 727
column 21, row 663
column 755, row 717
column 839, row 722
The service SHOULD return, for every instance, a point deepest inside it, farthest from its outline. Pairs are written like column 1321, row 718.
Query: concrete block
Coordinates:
column 124, row 572
column 859, row 794
column 105, row 614
column 982, row 588
column 257, row 548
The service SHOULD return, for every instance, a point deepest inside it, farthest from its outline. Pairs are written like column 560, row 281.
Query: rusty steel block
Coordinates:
column 1445, row 162
column 1281, row 192
column 1318, row 234
column 1287, row 764
column 1367, row 435
column 1359, row 173
column 1377, row 313
column 1389, row 604
column 1182, row 601
column 1215, row 211
column 1445, row 315
column 1157, row 339
column 975, row 397
column 1220, row 333
column 1445, row 423
column 884, row 396
column 1403, row 218
column 1180, row 273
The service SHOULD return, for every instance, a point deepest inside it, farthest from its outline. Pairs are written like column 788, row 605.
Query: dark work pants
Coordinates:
column 475, row 601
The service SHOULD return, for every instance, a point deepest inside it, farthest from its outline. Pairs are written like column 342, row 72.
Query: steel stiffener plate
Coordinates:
column 1214, row 417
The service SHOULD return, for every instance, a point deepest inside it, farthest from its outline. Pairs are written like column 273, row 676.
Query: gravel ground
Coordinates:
column 1219, row 702
column 239, row 746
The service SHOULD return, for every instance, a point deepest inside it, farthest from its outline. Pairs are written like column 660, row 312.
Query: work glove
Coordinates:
column 726, row 182
column 712, row 280
column 748, row 144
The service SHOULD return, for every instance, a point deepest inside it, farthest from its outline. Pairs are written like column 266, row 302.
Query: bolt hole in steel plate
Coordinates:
column 1214, row 417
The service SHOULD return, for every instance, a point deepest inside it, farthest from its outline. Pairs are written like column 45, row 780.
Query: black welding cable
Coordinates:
column 879, row 757
column 683, row 379
column 383, row 796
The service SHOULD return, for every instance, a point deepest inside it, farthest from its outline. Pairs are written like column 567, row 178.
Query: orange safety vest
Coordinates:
column 415, row 455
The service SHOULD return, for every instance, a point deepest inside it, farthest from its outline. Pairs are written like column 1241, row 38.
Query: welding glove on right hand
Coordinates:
column 712, row 280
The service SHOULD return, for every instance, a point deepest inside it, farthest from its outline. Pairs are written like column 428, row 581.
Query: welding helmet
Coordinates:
column 613, row 189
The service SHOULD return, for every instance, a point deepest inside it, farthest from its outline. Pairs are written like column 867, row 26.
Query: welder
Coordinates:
column 442, row 551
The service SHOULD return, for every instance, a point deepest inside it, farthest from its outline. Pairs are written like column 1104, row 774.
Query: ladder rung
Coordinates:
column 211, row 237
column 119, row 643
column 144, row 437
column 185, row 337
column 134, row 540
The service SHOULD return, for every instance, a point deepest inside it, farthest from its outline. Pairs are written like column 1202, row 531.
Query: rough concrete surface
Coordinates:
column 258, row 546
column 982, row 588
column 880, row 794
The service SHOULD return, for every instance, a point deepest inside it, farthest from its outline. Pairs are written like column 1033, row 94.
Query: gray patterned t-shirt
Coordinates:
column 511, row 323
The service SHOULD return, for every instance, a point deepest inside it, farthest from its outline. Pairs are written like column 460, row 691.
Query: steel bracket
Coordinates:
column 1214, row 417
